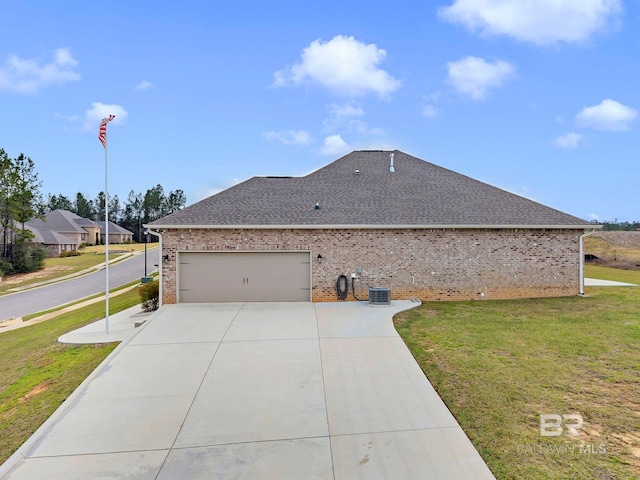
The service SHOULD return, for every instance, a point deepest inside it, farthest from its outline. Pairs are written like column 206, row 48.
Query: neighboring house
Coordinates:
column 62, row 230
column 389, row 219
column 117, row 234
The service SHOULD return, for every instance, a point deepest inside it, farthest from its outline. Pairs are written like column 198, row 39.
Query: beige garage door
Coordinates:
column 244, row 277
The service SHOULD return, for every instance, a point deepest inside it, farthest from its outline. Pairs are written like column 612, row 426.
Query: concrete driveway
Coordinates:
column 255, row 391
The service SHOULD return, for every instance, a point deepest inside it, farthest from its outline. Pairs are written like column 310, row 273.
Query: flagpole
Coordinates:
column 106, row 229
column 102, row 136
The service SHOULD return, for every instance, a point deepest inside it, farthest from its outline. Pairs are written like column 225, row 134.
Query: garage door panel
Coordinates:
column 244, row 276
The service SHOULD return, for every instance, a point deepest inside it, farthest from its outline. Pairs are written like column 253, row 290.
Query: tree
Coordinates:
column 99, row 206
column 19, row 202
column 58, row 202
column 83, row 207
column 175, row 201
column 153, row 204
column 27, row 196
column 114, row 209
column 8, row 179
column 132, row 214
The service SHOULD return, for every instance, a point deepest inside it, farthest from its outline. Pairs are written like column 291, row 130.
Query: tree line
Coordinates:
column 615, row 225
column 21, row 200
column 131, row 214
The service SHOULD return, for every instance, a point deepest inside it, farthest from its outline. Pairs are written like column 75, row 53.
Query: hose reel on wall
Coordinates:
column 342, row 287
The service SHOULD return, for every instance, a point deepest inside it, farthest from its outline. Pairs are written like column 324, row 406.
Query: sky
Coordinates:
column 540, row 98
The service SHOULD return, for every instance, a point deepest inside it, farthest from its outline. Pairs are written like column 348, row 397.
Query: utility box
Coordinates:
column 379, row 296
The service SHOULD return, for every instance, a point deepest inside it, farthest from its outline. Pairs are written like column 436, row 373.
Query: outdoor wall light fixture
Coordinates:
column 165, row 259
column 319, row 258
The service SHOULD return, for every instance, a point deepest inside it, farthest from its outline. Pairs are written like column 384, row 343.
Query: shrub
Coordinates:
column 70, row 253
column 27, row 257
column 150, row 296
column 5, row 268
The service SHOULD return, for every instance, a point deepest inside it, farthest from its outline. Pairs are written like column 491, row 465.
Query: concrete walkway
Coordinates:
column 255, row 391
column 596, row 282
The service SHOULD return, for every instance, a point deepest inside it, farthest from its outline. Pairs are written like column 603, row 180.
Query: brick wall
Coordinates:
column 413, row 263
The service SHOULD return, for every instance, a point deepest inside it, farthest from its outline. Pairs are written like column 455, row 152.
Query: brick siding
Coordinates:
column 430, row 264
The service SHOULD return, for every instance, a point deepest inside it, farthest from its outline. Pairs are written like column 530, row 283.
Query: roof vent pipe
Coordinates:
column 391, row 169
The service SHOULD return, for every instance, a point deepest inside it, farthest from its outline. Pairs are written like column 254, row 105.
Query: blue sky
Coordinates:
column 539, row 98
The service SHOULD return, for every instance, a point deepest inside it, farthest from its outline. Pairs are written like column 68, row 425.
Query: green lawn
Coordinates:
column 499, row 365
column 38, row 373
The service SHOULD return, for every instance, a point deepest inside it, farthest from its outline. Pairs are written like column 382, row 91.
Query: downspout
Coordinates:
column 160, row 261
column 581, row 241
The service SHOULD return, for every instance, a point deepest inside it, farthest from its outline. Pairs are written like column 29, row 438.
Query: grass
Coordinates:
column 38, row 373
column 499, row 365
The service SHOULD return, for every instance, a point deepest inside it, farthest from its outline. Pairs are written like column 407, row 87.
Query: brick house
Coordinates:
column 61, row 231
column 386, row 218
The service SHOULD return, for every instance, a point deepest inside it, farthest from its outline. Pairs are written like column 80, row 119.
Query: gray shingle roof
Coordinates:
column 418, row 193
column 61, row 221
column 113, row 229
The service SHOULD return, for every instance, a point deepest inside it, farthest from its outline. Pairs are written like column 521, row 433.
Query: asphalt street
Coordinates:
column 49, row 296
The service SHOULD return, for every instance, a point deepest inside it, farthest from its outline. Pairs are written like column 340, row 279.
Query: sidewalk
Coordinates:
column 596, row 282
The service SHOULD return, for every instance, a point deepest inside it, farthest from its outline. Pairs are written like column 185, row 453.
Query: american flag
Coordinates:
column 102, row 136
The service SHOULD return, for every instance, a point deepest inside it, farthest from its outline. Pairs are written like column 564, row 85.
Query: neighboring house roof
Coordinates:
column 113, row 229
column 62, row 221
column 359, row 191
column 58, row 222
column 49, row 237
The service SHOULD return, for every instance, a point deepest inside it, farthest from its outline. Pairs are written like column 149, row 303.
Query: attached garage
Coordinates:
column 244, row 277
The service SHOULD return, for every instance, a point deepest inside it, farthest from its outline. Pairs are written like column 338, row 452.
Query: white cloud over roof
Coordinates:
column 31, row 75
column 474, row 76
column 608, row 115
column 335, row 145
column 541, row 22
column 343, row 65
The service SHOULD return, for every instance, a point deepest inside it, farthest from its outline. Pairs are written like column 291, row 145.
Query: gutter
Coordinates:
column 581, row 242
column 160, row 262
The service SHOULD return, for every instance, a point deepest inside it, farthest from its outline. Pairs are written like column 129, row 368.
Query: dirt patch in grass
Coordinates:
column 42, row 273
column 39, row 388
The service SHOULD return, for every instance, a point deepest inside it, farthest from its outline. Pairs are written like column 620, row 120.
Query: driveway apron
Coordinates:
column 255, row 391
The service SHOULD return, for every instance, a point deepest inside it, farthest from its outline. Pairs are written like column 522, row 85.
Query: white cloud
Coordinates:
column 289, row 137
column 430, row 111
column 609, row 115
column 570, row 140
column 541, row 22
column 475, row 76
column 144, row 85
column 98, row 111
column 31, row 75
column 346, row 110
column 335, row 145
column 67, row 118
column 343, row 65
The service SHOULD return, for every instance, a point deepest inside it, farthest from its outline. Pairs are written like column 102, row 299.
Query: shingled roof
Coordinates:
column 359, row 190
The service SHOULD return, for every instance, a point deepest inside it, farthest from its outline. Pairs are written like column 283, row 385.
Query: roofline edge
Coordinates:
column 378, row 227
